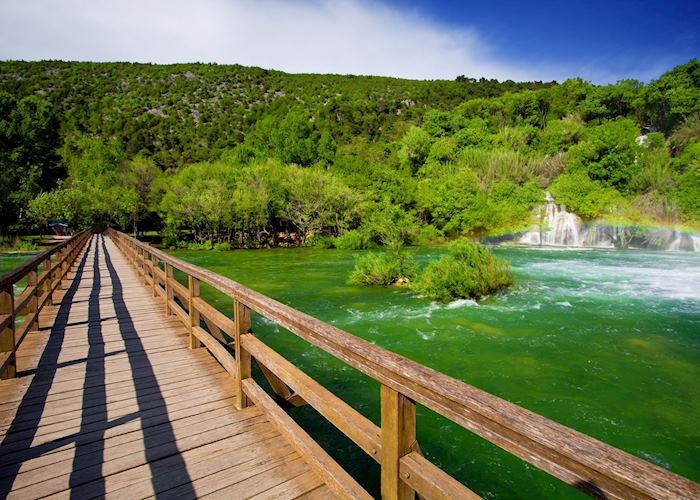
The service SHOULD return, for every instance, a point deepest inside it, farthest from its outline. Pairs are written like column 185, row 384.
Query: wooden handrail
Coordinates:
column 39, row 291
column 584, row 462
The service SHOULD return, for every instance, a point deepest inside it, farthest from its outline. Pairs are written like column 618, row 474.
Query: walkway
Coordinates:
column 110, row 401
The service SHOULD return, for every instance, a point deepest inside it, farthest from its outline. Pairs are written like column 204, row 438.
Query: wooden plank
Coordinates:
column 130, row 449
column 320, row 493
column 5, row 358
column 7, row 335
column 180, row 313
column 179, row 290
column 218, row 350
column 24, row 299
column 226, row 324
column 398, row 439
column 241, row 316
column 147, row 420
column 6, row 320
column 217, row 470
column 294, row 488
column 130, row 465
column 25, row 328
column 254, row 486
column 430, row 481
column 337, row 479
column 193, row 288
column 344, row 417
column 194, row 423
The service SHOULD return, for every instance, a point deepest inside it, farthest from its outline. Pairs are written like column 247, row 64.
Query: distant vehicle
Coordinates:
column 59, row 228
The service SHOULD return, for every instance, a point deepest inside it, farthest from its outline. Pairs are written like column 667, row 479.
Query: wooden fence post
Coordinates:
column 168, row 288
column 65, row 255
column 7, row 334
column 398, row 439
column 47, row 281
column 33, row 306
column 154, row 266
column 193, row 286
column 241, row 317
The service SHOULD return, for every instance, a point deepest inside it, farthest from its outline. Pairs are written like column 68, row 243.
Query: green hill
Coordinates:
column 238, row 155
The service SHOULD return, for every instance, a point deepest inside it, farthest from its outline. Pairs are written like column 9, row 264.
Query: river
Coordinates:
column 604, row 341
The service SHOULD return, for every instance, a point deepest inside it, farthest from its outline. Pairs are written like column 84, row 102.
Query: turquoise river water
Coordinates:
column 604, row 341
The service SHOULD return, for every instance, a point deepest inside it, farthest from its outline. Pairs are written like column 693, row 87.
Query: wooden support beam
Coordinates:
column 430, row 481
column 335, row 477
column 168, row 288
column 193, row 289
column 241, row 317
column 47, row 282
column 398, row 439
column 154, row 279
column 344, row 417
column 7, row 334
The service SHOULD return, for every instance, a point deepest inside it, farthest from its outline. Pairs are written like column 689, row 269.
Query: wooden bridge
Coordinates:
column 121, row 381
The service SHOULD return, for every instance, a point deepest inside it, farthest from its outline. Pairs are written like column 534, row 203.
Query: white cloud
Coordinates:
column 310, row 36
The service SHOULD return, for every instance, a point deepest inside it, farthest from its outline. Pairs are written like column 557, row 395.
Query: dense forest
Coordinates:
column 237, row 156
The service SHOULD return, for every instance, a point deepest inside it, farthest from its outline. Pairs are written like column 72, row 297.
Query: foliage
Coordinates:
column 352, row 240
column 250, row 157
column 584, row 196
column 381, row 269
column 470, row 271
column 608, row 153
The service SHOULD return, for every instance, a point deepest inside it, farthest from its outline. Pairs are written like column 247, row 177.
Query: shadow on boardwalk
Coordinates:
column 86, row 473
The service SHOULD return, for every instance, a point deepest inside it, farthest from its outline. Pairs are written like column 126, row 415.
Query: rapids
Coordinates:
column 604, row 341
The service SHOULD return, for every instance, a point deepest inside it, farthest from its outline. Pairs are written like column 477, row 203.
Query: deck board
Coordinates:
column 111, row 402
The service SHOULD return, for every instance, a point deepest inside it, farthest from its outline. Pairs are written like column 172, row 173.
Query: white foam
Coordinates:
column 456, row 304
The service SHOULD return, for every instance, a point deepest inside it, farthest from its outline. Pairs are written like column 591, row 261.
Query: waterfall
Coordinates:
column 558, row 227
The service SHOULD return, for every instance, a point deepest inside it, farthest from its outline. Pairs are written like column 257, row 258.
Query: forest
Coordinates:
column 231, row 156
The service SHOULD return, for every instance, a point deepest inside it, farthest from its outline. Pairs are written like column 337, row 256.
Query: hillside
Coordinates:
column 237, row 155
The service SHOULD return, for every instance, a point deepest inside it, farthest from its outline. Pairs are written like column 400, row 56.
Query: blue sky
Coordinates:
column 600, row 41
column 637, row 36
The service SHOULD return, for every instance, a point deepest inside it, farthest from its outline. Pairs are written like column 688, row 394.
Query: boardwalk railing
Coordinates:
column 45, row 272
column 594, row 467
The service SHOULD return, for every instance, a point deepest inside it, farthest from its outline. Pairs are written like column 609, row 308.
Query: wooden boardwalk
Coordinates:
column 110, row 401
column 133, row 386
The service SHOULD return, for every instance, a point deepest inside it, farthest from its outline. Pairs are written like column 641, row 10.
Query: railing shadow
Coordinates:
column 159, row 443
column 89, row 446
column 22, row 430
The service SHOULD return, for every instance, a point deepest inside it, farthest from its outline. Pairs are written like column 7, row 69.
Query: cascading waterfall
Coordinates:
column 560, row 228
column 557, row 227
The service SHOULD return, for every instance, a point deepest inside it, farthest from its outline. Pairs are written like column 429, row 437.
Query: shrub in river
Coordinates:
column 471, row 271
column 382, row 269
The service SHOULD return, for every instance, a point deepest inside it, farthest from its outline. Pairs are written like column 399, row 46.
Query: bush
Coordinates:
column 584, row 196
column 16, row 244
column 194, row 245
column 381, row 269
column 222, row 246
column 352, row 240
column 427, row 235
column 320, row 241
column 470, row 272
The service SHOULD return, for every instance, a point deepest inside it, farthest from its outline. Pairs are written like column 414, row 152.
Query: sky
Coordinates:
column 600, row 41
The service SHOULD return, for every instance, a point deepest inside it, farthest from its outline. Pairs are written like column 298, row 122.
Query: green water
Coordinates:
column 9, row 261
column 606, row 342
